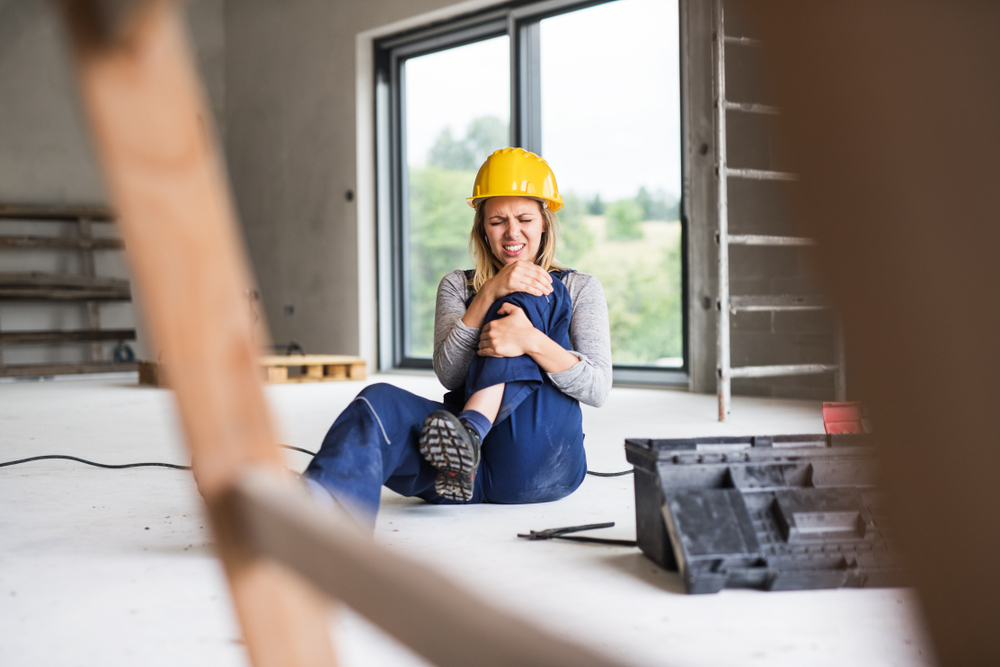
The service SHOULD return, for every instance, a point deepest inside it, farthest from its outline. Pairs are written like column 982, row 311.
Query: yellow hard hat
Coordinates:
column 515, row 172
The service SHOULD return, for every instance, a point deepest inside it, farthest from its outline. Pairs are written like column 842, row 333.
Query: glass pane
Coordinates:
column 457, row 112
column 611, row 132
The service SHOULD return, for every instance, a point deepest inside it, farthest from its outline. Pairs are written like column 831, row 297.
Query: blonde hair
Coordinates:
column 488, row 265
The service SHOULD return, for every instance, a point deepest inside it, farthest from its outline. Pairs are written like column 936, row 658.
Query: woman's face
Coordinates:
column 514, row 227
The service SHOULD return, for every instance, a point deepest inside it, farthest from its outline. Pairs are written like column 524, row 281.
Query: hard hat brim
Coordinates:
column 551, row 204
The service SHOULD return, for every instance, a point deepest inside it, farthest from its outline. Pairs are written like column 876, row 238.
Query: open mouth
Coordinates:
column 514, row 248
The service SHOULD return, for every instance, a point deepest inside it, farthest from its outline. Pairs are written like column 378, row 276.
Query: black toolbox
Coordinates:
column 780, row 512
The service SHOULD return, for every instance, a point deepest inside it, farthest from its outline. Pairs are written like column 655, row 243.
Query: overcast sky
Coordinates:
column 610, row 97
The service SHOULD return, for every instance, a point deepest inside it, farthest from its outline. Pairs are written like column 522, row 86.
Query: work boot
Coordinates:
column 452, row 446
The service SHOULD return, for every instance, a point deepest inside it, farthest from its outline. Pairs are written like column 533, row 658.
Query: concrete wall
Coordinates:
column 46, row 158
column 763, row 207
column 291, row 96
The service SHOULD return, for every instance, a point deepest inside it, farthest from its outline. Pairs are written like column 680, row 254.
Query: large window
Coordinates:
column 593, row 88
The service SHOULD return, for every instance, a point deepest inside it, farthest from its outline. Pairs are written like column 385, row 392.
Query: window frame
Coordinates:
column 521, row 23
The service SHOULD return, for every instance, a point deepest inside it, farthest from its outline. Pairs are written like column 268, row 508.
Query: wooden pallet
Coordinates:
column 312, row 368
column 283, row 369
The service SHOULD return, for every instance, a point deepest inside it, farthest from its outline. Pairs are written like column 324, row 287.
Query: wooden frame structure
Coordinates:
column 89, row 289
column 281, row 552
column 872, row 111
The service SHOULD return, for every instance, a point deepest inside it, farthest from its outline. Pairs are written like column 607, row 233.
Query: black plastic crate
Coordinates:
column 779, row 512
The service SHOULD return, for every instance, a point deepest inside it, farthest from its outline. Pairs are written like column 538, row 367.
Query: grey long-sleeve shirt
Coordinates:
column 588, row 381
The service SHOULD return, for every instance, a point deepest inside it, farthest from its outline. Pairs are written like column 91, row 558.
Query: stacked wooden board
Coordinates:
column 283, row 369
column 88, row 290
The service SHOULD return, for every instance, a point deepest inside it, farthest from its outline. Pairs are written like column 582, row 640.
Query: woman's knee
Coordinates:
column 525, row 300
column 379, row 392
column 534, row 307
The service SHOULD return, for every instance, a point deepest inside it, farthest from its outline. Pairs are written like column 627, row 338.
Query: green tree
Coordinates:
column 596, row 207
column 440, row 222
column 645, row 200
column 642, row 284
column 659, row 206
column 574, row 236
column 483, row 136
column 449, row 153
column 622, row 219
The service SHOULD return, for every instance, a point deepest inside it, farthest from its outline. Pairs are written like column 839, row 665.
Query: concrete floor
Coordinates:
column 101, row 567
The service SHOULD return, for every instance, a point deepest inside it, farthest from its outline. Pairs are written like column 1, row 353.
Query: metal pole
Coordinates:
column 723, row 214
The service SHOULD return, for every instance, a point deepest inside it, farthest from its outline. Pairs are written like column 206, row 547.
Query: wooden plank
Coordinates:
column 278, row 374
column 14, row 337
column 56, row 242
column 454, row 628
column 771, row 303
column 55, row 213
column 151, row 374
column 307, row 359
column 314, row 368
column 41, row 370
column 64, row 294
column 39, row 278
column 152, row 132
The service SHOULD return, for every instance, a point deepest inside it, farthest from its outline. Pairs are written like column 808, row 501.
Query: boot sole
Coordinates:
column 449, row 450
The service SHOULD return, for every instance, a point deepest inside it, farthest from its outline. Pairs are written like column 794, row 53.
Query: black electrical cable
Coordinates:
column 120, row 466
column 610, row 474
column 298, row 449
column 93, row 463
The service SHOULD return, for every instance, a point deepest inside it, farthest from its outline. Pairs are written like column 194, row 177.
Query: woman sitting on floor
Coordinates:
column 520, row 341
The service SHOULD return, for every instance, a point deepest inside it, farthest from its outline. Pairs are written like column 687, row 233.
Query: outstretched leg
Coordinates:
column 374, row 442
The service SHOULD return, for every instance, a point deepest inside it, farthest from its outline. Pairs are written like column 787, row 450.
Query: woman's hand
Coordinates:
column 508, row 336
column 513, row 335
column 519, row 276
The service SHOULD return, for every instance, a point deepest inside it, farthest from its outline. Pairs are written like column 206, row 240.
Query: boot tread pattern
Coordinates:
column 452, row 453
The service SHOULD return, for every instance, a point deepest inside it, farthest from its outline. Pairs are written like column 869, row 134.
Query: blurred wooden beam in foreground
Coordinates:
column 435, row 617
column 154, row 138
column 891, row 114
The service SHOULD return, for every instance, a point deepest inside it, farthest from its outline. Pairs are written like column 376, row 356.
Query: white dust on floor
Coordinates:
column 102, row 567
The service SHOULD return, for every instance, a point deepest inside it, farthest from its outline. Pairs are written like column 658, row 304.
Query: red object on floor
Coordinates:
column 843, row 417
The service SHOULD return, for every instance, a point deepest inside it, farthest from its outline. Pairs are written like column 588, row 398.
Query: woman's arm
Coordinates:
column 588, row 381
column 513, row 334
column 457, row 329
column 583, row 373
column 520, row 276
column 455, row 343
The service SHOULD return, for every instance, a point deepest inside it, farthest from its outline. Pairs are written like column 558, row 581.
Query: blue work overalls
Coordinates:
column 534, row 452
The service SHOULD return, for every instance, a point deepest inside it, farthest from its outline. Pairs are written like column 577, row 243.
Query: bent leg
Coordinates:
column 537, row 454
column 487, row 401
column 549, row 314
